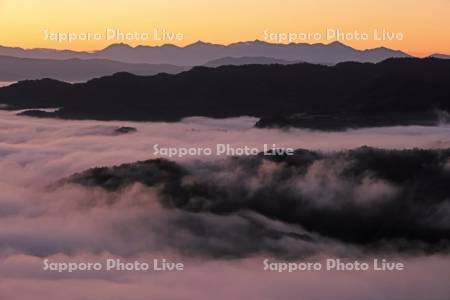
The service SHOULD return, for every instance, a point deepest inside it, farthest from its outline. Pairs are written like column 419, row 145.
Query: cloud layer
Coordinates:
column 221, row 216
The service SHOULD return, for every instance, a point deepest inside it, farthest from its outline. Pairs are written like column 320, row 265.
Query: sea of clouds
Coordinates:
column 40, row 217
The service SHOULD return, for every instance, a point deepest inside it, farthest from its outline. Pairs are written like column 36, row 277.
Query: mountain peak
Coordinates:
column 338, row 44
column 250, row 43
column 440, row 55
column 118, row 46
column 199, row 43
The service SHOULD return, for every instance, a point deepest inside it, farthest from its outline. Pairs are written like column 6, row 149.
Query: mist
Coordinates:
column 48, row 212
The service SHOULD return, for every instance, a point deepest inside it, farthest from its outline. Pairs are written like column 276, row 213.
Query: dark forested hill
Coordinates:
column 395, row 91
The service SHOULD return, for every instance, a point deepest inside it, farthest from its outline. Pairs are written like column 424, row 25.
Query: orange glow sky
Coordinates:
column 424, row 24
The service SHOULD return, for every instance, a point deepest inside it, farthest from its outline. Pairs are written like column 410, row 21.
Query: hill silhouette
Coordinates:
column 395, row 91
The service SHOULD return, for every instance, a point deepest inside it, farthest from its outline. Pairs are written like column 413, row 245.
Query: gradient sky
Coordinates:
column 425, row 24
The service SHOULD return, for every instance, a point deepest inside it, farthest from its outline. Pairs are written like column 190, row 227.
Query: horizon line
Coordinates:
column 209, row 43
column 226, row 45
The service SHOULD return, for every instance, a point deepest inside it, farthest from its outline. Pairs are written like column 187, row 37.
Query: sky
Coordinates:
column 424, row 26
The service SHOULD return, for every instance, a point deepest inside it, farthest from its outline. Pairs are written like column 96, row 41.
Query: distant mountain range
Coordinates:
column 393, row 92
column 74, row 69
column 20, row 64
column 201, row 53
column 66, row 65
column 79, row 70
